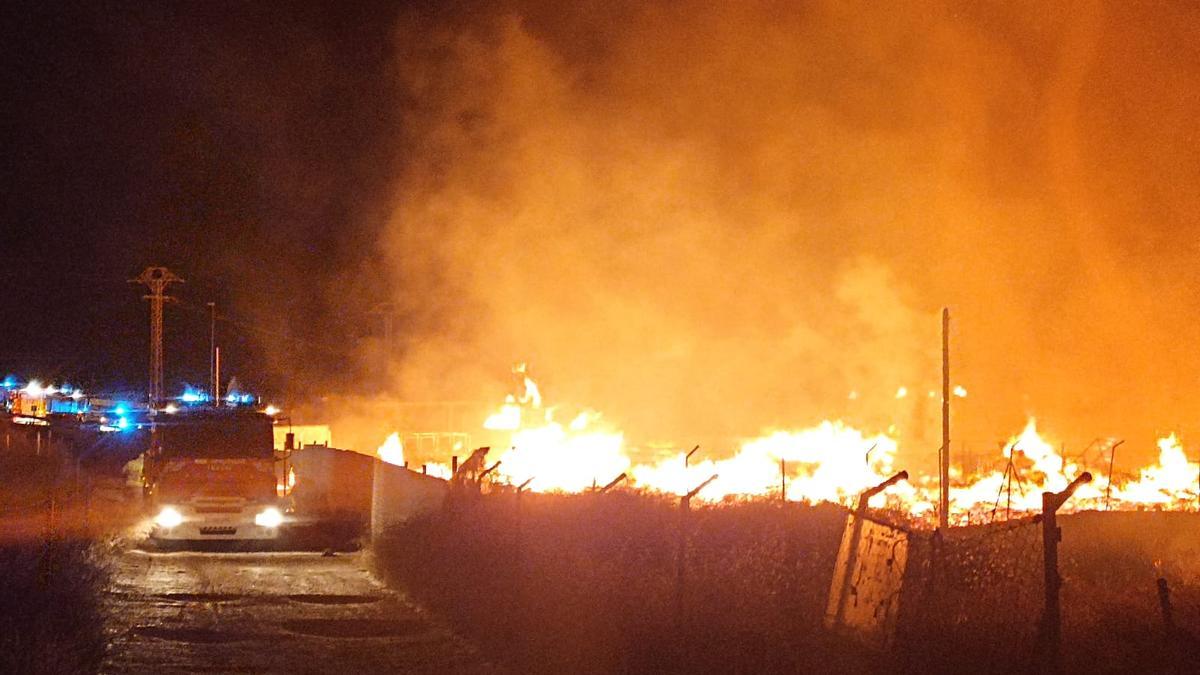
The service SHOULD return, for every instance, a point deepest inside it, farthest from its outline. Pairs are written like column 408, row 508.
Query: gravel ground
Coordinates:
column 191, row 612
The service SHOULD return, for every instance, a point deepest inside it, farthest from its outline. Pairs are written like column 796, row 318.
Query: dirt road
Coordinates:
column 189, row 612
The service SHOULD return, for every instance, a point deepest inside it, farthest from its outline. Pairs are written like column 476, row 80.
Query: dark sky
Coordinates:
column 679, row 212
column 248, row 146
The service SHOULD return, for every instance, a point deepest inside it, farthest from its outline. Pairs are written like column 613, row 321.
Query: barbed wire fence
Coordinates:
column 974, row 596
column 1131, row 590
column 752, row 581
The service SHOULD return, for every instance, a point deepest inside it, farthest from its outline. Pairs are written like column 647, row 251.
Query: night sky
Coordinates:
column 682, row 214
column 247, row 146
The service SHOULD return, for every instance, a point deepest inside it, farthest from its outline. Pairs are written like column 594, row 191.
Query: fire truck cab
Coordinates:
column 210, row 474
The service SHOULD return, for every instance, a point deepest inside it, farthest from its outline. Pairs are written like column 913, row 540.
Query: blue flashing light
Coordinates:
column 120, row 409
column 122, row 423
column 67, row 406
column 192, row 396
column 239, row 399
column 9, row 382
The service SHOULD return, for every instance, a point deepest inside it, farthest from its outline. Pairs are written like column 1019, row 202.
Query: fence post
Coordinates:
column 614, row 482
column 1051, row 536
column 681, row 559
column 685, row 506
column 522, row 630
column 520, row 532
column 783, row 480
column 1164, row 604
column 1112, row 458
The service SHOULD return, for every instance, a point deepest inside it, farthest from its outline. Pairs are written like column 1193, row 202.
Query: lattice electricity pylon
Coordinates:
column 156, row 279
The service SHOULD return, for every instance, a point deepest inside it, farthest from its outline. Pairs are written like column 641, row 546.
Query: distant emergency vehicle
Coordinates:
column 32, row 400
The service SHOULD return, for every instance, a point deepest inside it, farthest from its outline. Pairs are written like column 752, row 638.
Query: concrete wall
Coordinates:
column 332, row 483
column 400, row 494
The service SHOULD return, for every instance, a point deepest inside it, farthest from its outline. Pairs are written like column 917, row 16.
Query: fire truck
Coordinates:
column 211, row 473
column 35, row 402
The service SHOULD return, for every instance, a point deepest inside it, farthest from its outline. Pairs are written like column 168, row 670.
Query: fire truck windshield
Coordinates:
column 217, row 437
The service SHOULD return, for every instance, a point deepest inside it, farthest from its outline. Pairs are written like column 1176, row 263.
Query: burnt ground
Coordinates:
column 269, row 612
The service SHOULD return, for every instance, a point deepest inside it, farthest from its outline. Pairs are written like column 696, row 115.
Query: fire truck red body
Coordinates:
column 212, row 474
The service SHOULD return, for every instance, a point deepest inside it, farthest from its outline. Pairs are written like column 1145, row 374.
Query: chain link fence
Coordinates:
column 625, row 581
column 973, row 597
column 755, row 584
column 1131, row 590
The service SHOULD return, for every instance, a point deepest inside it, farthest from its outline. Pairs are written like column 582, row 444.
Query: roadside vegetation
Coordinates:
column 50, row 583
column 50, row 613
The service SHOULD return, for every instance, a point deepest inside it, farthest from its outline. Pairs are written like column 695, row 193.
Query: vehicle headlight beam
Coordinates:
column 269, row 517
column 169, row 517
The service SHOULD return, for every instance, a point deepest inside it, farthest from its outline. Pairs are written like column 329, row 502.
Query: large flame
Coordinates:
column 568, row 458
column 830, row 461
column 392, row 450
column 1035, row 466
column 1171, row 482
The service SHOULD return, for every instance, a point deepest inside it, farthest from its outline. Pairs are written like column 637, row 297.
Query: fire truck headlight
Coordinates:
column 269, row 517
column 168, row 518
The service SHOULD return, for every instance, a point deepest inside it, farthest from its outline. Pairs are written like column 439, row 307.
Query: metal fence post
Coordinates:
column 1164, row 604
column 519, row 527
column 783, row 480
column 1112, row 458
column 613, row 483
column 1051, row 536
column 681, row 559
column 522, row 630
column 685, row 506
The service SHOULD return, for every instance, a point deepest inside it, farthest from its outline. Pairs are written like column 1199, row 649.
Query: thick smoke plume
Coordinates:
column 705, row 219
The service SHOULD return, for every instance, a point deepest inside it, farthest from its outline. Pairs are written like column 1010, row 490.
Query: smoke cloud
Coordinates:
column 707, row 219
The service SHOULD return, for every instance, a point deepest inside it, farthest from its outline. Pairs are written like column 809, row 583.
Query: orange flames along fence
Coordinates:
column 828, row 462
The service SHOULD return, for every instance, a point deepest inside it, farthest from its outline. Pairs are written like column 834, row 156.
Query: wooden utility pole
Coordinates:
column 944, row 455
column 156, row 279
column 783, row 480
column 216, row 400
column 212, row 351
